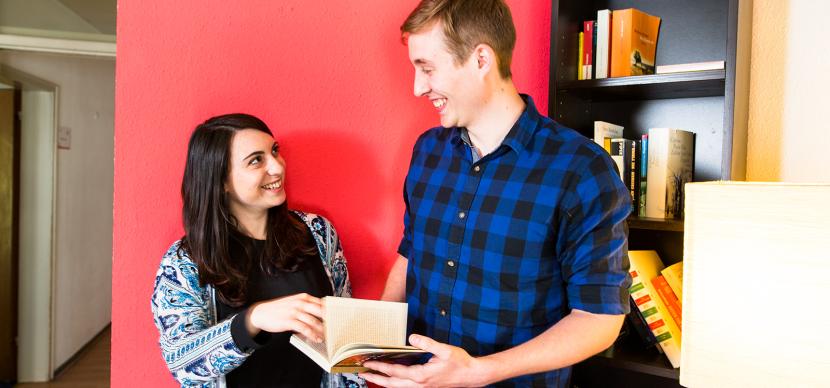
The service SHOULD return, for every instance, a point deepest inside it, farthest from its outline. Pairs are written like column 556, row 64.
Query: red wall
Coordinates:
column 332, row 80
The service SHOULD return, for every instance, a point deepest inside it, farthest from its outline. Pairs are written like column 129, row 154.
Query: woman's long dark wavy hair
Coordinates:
column 209, row 224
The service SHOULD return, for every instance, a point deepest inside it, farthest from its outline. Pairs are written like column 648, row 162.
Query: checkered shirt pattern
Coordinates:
column 502, row 248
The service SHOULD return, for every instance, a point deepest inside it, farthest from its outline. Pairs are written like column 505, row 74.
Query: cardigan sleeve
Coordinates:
column 195, row 348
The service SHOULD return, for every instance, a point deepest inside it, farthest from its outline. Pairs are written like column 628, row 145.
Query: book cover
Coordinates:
column 641, row 203
column 603, row 49
column 670, row 300
column 587, row 49
column 359, row 330
column 635, row 319
column 674, row 277
column 670, row 166
column 645, row 266
column 604, row 130
column 633, row 42
column 580, row 66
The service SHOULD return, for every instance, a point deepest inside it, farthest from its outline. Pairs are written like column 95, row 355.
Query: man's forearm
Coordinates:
column 395, row 290
column 576, row 337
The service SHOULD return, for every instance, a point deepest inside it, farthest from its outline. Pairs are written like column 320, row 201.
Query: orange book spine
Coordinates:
column 669, row 299
column 620, row 43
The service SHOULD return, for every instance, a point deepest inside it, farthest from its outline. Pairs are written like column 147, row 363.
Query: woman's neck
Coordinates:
column 252, row 225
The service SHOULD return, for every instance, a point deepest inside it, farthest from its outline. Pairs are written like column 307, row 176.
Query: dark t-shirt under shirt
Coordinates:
column 275, row 362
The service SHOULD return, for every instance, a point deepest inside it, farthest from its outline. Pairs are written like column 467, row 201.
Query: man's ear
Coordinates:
column 485, row 58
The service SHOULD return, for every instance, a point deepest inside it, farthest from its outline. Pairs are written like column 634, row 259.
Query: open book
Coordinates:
column 359, row 330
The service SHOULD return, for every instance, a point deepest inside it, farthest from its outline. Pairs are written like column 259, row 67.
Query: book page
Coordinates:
column 349, row 320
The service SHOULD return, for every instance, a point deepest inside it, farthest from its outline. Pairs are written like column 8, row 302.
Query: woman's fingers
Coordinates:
column 311, row 326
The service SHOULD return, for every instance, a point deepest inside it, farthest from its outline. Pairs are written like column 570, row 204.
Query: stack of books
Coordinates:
column 654, row 167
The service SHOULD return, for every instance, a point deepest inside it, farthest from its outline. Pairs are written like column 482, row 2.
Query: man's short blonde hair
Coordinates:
column 466, row 24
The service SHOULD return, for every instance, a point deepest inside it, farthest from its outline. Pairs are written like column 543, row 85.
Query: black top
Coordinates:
column 275, row 362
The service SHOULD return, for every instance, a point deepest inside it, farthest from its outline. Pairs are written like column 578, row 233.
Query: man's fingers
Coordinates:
column 387, row 381
column 440, row 350
column 412, row 372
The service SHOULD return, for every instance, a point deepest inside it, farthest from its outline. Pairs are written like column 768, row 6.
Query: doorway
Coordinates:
column 34, row 114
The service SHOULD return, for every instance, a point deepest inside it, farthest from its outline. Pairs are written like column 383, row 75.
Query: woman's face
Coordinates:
column 256, row 181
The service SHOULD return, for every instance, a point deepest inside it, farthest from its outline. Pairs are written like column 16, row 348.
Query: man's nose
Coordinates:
column 421, row 86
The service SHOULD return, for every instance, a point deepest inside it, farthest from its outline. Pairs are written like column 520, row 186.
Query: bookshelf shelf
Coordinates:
column 661, row 224
column 707, row 83
column 627, row 355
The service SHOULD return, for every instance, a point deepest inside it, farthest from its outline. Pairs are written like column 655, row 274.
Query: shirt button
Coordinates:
column 443, row 312
column 451, row 263
column 461, row 215
column 476, row 168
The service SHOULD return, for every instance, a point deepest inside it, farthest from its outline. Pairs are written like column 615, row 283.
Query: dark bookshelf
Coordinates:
column 708, row 83
column 711, row 103
column 664, row 224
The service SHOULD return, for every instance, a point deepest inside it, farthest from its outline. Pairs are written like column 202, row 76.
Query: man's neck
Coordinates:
column 496, row 117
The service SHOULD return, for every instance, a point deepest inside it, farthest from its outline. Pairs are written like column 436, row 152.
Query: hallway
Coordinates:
column 90, row 369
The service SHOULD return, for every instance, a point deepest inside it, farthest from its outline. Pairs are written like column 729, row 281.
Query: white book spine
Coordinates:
column 603, row 43
column 658, row 142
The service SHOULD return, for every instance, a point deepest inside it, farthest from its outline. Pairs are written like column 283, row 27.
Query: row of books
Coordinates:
column 656, row 186
column 618, row 43
column 657, row 303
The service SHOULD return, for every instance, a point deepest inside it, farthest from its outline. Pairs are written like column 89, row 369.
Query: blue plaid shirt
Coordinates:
column 502, row 248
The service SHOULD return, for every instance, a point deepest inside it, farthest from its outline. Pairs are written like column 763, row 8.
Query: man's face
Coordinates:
column 454, row 90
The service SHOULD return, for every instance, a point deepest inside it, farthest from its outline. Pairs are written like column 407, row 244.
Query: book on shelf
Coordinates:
column 633, row 42
column 580, row 66
column 674, row 277
column 645, row 266
column 641, row 201
column 670, row 300
column 586, row 43
column 670, row 166
column 359, row 330
column 604, row 130
column 640, row 326
column 602, row 53
column 625, row 154
column 687, row 67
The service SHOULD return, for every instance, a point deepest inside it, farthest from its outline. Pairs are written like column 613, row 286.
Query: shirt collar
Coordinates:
column 521, row 132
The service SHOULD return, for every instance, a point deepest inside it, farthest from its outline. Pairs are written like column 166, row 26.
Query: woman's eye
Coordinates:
column 255, row 161
column 275, row 150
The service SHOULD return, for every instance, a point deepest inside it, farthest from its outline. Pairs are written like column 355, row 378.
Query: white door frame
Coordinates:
column 38, row 229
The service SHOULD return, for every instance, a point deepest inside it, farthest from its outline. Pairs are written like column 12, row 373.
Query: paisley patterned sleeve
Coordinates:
column 197, row 350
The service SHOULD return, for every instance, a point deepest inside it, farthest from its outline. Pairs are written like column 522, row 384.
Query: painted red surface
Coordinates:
column 332, row 80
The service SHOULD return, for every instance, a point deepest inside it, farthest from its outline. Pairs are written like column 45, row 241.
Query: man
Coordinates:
column 513, row 259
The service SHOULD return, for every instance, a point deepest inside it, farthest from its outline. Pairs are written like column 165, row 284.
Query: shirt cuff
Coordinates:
column 240, row 335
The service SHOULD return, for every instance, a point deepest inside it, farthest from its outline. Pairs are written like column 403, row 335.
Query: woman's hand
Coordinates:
column 300, row 313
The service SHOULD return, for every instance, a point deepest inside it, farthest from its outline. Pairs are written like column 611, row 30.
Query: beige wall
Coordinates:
column 83, row 218
column 789, row 115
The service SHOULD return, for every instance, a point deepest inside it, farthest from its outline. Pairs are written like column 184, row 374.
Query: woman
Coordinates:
column 248, row 272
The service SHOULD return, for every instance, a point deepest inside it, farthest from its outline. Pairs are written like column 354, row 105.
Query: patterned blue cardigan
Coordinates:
column 200, row 351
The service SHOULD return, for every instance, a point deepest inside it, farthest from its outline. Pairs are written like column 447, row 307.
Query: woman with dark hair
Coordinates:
column 248, row 272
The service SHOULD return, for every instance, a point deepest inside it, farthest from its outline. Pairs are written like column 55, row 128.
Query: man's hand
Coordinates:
column 450, row 366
